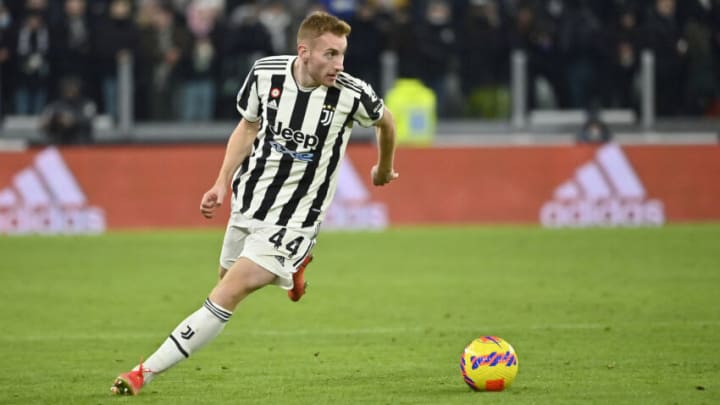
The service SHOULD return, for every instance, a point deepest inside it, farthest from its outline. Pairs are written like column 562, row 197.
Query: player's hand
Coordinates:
column 381, row 177
column 211, row 200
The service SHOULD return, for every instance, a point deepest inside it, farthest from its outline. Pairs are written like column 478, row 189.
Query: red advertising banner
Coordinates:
column 90, row 189
column 555, row 185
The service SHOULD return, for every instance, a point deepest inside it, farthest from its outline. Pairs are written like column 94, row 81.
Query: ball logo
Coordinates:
column 493, row 359
column 493, row 339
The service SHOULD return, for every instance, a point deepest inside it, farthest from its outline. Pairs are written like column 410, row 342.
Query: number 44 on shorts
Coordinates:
column 277, row 240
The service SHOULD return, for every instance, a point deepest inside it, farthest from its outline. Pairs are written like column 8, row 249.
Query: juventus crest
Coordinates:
column 328, row 112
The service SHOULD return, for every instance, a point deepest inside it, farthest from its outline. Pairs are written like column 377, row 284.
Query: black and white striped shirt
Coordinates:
column 290, row 176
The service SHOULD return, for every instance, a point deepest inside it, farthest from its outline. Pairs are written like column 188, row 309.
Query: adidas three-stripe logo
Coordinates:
column 46, row 198
column 603, row 192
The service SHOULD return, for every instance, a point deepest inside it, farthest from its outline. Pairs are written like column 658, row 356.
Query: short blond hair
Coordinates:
column 320, row 22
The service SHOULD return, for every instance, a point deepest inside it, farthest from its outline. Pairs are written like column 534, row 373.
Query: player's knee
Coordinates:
column 221, row 272
column 236, row 283
column 228, row 294
column 248, row 281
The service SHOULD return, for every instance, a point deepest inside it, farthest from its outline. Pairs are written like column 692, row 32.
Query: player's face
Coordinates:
column 324, row 58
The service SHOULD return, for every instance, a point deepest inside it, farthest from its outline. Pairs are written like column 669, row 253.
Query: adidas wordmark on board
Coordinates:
column 603, row 192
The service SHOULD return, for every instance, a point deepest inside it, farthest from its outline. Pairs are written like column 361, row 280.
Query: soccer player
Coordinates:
column 281, row 162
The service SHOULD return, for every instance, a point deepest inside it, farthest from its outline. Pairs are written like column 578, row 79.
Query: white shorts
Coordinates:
column 279, row 250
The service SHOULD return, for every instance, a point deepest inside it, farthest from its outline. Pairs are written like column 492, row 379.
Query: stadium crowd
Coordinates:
column 190, row 55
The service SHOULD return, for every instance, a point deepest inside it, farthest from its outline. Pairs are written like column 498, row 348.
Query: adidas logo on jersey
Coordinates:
column 603, row 192
column 46, row 198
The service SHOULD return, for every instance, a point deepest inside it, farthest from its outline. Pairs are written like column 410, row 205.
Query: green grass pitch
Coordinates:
column 622, row 316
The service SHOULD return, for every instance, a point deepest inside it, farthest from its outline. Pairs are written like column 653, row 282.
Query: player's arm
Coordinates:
column 238, row 148
column 383, row 172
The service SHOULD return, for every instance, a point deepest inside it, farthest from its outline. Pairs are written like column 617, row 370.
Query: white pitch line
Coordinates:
column 481, row 329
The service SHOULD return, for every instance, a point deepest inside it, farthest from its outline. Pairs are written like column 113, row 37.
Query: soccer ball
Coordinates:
column 489, row 363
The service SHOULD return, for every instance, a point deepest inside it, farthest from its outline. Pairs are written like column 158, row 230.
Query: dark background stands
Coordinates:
column 32, row 56
column 581, row 53
column 164, row 44
column 116, row 39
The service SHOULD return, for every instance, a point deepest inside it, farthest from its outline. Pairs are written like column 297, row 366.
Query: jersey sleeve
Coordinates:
column 248, row 100
column 370, row 108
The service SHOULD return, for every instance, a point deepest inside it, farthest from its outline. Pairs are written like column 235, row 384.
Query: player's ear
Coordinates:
column 303, row 51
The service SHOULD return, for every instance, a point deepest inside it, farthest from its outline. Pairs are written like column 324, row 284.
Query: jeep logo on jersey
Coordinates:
column 307, row 141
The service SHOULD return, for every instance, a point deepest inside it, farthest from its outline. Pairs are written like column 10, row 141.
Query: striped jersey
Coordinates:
column 290, row 177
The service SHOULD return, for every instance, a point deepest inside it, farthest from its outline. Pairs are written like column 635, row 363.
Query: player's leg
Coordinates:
column 296, row 290
column 244, row 277
column 201, row 327
column 299, row 283
column 252, row 260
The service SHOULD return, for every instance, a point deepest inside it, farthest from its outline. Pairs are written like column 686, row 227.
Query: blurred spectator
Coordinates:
column 6, row 53
column 580, row 44
column 14, row 9
column 485, row 62
column 71, row 48
column 437, row 50
column 402, row 42
column 365, row 43
column 245, row 40
column 32, row 52
column 202, row 65
column 68, row 120
column 277, row 19
column 164, row 44
column 179, row 6
column 623, row 60
column 116, row 41
column 42, row 7
column 534, row 33
column 344, row 9
column 714, row 109
column 99, row 9
column 701, row 86
column 663, row 35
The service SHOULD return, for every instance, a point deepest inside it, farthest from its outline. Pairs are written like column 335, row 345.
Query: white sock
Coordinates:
column 190, row 335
